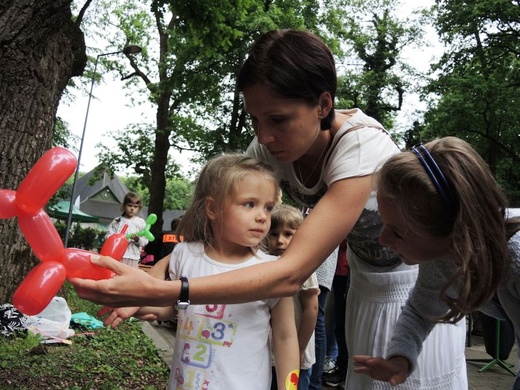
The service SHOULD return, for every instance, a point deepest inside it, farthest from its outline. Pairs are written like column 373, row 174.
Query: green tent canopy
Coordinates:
column 61, row 211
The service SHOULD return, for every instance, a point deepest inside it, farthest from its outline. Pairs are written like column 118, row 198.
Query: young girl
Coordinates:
column 442, row 209
column 130, row 208
column 285, row 220
column 226, row 346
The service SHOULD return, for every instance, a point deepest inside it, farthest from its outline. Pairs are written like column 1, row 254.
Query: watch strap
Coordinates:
column 184, row 296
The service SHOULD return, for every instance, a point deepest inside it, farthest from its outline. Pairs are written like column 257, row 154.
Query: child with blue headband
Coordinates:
column 442, row 209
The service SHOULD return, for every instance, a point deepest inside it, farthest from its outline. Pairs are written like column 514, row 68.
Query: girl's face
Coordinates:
column 279, row 239
column 246, row 217
column 287, row 127
column 131, row 209
column 413, row 247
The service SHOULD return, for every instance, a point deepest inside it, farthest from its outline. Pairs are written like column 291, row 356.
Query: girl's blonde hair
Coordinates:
column 219, row 180
column 475, row 226
column 285, row 214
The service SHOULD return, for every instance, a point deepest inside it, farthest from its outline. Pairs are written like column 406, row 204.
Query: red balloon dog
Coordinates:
column 57, row 262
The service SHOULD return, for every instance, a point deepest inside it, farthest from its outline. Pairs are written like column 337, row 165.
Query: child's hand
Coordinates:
column 116, row 315
column 394, row 370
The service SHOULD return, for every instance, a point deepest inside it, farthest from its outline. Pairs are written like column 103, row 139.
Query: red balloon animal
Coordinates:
column 58, row 263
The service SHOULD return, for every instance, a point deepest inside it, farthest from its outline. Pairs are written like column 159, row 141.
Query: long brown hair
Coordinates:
column 476, row 226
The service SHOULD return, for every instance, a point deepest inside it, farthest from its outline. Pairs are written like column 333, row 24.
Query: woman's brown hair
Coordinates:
column 294, row 64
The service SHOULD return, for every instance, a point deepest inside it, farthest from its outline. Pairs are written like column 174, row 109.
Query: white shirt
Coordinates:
column 220, row 347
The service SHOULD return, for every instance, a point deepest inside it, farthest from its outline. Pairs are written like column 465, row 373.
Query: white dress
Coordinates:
column 374, row 303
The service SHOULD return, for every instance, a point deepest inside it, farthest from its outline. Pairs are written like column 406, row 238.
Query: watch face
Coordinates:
column 182, row 305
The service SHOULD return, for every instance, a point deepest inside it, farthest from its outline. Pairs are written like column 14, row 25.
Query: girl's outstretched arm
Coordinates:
column 323, row 230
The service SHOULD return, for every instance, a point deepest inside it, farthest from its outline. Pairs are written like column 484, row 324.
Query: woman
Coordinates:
column 324, row 159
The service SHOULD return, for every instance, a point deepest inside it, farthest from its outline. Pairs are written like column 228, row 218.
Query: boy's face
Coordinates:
column 412, row 246
column 279, row 239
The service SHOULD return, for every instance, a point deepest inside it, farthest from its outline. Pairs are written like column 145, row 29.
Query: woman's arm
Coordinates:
column 326, row 226
column 285, row 343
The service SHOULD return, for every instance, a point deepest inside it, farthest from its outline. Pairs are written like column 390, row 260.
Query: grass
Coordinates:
column 121, row 358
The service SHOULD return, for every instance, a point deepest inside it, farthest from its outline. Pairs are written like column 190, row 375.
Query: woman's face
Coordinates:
column 286, row 127
column 413, row 247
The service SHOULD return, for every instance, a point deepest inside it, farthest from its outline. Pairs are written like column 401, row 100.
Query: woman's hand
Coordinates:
column 128, row 287
column 394, row 370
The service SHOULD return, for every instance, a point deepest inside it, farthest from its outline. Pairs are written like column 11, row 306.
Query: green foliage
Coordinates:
column 64, row 138
column 475, row 92
column 135, row 151
column 376, row 79
column 192, row 53
column 121, row 358
column 62, row 135
column 135, row 184
column 178, row 194
column 82, row 237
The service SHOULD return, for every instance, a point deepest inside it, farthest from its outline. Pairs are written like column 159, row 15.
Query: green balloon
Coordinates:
column 152, row 218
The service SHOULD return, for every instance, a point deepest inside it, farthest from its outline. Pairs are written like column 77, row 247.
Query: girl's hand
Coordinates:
column 114, row 316
column 394, row 370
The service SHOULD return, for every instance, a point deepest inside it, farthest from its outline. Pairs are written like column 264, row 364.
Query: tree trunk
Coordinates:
column 41, row 48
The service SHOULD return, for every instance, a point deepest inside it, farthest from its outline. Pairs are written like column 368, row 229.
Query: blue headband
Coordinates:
column 438, row 179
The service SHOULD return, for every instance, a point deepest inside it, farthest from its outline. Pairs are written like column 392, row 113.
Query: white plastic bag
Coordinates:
column 53, row 322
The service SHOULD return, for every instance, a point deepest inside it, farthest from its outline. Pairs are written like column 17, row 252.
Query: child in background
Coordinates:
column 285, row 220
column 170, row 239
column 226, row 347
column 340, row 285
column 442, row 209
column 130, row 208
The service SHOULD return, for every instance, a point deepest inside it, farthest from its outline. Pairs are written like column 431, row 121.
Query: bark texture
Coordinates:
column 41, row 48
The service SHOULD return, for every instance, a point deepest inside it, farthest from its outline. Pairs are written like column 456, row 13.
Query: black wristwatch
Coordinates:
column 184, row 297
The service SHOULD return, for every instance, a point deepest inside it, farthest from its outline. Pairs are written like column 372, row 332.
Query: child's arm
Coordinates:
column 150, row 313
column 309, row 304
column 285, row 344
column 114, row 316
column 160, row 270
column 394, row 370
